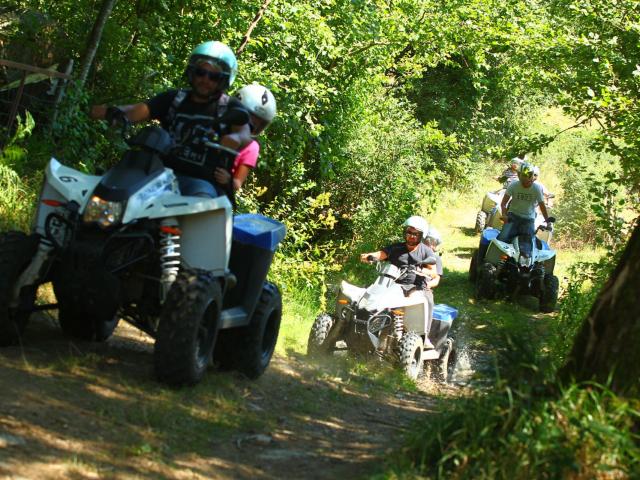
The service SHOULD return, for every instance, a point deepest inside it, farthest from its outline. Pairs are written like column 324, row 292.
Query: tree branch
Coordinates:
column 256, row 20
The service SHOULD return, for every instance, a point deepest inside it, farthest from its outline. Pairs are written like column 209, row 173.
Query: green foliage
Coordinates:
column 586, row 280
column 514, row 432
column 76, row 140
column 591, row 208
column 14, row 154
column 16, row 195
column 17, row 198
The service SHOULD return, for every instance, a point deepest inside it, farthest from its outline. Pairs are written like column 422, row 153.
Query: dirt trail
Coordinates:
column 73, row 410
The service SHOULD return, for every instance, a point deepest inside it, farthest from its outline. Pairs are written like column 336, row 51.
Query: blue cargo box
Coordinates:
column 488, row 234
column 258, row 230
column 444, row 313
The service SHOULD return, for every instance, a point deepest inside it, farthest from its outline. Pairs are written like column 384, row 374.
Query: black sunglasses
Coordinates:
column 213, row 76
column 411, row 233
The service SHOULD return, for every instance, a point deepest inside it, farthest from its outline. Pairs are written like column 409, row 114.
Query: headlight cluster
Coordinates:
column 103, row 212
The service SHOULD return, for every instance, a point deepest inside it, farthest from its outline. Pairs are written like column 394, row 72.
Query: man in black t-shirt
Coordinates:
column 185, row 114
column 420, row 280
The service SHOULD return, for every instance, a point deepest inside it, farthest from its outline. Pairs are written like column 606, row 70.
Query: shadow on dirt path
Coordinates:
column 82, row 410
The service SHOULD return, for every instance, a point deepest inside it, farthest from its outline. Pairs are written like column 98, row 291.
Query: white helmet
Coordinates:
column 516, row 161
column 260, row 102
column 433, row 237
column 417, row 222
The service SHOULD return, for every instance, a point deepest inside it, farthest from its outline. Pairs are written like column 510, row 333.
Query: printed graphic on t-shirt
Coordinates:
column 526, row 197
column 185, row 132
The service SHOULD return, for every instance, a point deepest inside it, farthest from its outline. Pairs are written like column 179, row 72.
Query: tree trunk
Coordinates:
column 608, row 344
column 94, row 40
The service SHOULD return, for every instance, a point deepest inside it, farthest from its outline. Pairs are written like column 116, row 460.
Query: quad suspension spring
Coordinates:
column 398, row 324
column 169, row 250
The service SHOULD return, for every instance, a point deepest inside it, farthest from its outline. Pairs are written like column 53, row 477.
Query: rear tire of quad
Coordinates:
column 473, row 266
column 249, row 349
column 485, row 283
column 549, row 295
column 86, row 326
column 16, row 252
column 316, row 345
column 188, row 328
column 444, row 365
column 481, row 221
column 410, row 353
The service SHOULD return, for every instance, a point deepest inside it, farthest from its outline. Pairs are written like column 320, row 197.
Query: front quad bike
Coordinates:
column 129, row 246
column 381, row 320
column 501, row 269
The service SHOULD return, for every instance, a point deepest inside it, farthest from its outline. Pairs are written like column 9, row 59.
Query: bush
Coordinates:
column 583, row 432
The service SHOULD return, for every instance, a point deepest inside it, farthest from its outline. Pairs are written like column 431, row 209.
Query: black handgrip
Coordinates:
column 115, row 116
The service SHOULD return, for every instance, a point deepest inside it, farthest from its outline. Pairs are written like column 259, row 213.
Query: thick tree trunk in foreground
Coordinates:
column 94, row 40
column 608, row 345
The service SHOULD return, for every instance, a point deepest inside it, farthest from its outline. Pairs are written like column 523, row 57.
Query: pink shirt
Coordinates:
column 247, row 156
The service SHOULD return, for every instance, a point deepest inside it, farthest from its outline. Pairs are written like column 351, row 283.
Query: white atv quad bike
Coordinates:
column 499, row 268
column 381, row 319
column 128, row 245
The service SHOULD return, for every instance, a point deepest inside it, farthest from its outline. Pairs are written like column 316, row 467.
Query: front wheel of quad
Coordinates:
column 410, row 353
column 249, row 349
column 549, row 295
column 446, row 362
column 16, row 252
column 188, row 328
column 486, row 281
column 317, row 343
column 481, row 221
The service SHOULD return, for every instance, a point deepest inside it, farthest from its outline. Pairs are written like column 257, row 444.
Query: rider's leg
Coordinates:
column 508, row 231
column 527, row 230
column 196, row 187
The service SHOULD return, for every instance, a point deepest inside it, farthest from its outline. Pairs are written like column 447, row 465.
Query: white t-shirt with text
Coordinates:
column 524, row 200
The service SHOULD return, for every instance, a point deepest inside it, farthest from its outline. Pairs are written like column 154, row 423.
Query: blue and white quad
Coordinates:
column 127, row 245
column 499, row 268
column 380, row 319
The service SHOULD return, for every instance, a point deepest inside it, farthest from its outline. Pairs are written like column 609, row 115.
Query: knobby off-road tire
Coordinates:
column 188, row 328
column 486, row 281
column 445, row 364
column 89, row 326
column 481, row 221
column 549, row 295
column 16, row 252
column 410, row 354
column 473, row 266
column 249, row 349
column 316, row 345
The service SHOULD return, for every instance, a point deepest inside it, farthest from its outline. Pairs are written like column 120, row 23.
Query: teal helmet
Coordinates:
column 527, row 170
column 216, row 54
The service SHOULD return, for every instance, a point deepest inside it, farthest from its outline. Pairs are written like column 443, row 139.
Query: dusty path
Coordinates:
column 80, row 410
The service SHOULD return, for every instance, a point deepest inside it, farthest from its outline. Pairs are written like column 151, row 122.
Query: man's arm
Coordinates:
column 503, row 205
column 138, row 112
column 379, row 255
column 543, row 210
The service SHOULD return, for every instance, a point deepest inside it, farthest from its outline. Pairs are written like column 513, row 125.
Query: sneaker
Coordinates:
column 428, row 345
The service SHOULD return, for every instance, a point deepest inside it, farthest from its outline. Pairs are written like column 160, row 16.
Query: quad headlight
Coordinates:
column 103, row 212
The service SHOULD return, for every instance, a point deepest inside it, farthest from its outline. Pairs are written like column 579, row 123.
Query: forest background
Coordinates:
column 382, row 107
